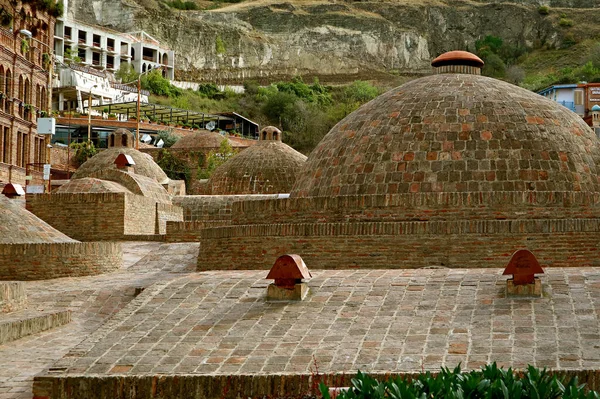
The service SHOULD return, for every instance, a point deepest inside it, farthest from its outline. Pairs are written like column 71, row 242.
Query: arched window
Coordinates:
column 112, row 140
column 124, row 140
column 143, row 68
column 264, row 135
column 274, row 135
column 27, row 94
column 132, row 54
column 21, row 88
column 165, row 59
column 8, row 91
column 44, row 104
column 38, row 96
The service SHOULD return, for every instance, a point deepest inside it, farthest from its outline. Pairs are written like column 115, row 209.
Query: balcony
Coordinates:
column 96, row 44
column 568, row 104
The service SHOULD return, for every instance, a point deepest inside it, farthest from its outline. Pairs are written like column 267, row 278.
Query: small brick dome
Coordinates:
column 454, row 133
column 144, row 164
column 267, row 167
column 204, row 139
column 91, row 185
column 19, row 226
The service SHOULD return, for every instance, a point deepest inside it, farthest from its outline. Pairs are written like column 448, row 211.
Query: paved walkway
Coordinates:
column 93, row 300
column 219, row 323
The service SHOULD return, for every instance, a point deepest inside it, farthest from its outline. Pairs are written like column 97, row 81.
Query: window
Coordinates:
column 110, row 62
column 578, row 97
column 67, row 32
column 95, row 58
column 81, row 54
column 82, row 37
column 96, row 40
column 110, row 44
column 6, row 146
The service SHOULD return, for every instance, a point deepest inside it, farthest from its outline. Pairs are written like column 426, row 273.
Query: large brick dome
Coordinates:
column 144, row 164
column 454, row 133
column 266, row 167
column 204, row 139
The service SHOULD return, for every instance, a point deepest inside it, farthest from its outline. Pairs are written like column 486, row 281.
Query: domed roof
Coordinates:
column 266, row 167
column 203, row 139
column 19, row 226
column 596, row 107
column 454, row 133
column 457, row 57
column 91, row 185
column 144, row 164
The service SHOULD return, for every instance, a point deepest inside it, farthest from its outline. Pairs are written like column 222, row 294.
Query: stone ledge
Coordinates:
column 22, row 324
column 217, row 386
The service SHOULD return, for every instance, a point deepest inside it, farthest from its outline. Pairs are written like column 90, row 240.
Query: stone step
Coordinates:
column 27, row 322
column 12, row 296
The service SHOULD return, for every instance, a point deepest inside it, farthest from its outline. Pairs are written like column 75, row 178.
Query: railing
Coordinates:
column 96, row 44
column 120, row 86
column 568, row 104
column 110, row 48
column 81, row 41
column 67, row 37
column 6, row 38
column 83, row 68
column 110, row 65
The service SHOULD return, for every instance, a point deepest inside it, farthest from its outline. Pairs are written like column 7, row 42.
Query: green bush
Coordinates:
column 183, row 5
column 214, row 160
column 220, row 45
column 174, row 167
column 156, row 84
column 167, row 137
column 544, row 10
column 83, row 151
column 489, row 382
column 565, row 22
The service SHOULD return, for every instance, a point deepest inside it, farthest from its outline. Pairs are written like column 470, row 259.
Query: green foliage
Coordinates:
column 6, row 17
column 53, row 7
column 210, row 90
column 174, row 167
column 489, row 382
column 315, row 93
column 565, row 22
column 126, row 73
column 24, row 45
column 83, row 151
column 167, row 137
column 71, row 54
column 498, row 55
column 182, row 5
column 219, row 45
column 156, row 84
column 215, row 159
column 361, row 91
column 544, row 10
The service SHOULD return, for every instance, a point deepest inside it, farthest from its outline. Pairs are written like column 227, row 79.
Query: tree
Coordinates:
column 515, row 74
column 167, row 137
column 126, row 73
column 83, row 151
column 216, row 159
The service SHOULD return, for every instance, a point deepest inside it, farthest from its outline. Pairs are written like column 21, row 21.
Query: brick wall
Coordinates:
column 219, row 386
column 469, row 244
column 17, row 175
column 189, row 231
column 139, row 215
column 421, row 206
column 12, row 296
column 84, row 217
column 213, row 207
column 48, row 261
column 166, row 213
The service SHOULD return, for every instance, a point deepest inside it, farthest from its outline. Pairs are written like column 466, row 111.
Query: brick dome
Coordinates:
column 91, row 185
column 144, row 164
column 266, row 167
column 204, row 139
column 454, row 133
column 19, row 226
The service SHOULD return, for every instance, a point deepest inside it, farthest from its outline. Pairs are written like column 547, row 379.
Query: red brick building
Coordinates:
column 25, row 84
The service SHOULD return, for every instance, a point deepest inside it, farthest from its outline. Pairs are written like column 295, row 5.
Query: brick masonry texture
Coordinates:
column 213, row 207
column 55, row 260
column 12, row 296
column 268, row 167
column 454, row 133
column 103, row 216
column 401, row 245
column 205, row 139
column 13, row 328
column 214, row 335
column 17, row 226
column 90, row 185
column 144, row 164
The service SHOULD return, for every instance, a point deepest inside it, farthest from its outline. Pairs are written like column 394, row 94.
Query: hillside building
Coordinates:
column 25, row 88
column 578, row 97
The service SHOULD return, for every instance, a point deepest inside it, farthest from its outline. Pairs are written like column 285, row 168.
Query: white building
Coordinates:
column 106, row 49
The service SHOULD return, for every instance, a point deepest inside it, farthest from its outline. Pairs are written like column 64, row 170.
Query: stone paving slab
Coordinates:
column 218, row 323
column 92, row 300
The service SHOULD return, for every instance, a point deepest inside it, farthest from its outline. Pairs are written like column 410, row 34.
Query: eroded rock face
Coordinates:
column 270, row 40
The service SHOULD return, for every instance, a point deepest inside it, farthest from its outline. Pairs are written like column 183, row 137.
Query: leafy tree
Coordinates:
column 174, row 167
column 216, row 159
column 126, row 73
column 489, row 44
column 361, row 91
column 494, row 66
column 515, row 74
column 156, row 84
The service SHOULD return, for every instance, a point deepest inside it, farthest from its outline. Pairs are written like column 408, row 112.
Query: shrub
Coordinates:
column 183, row 5
column 544, row 10
column 174, row 167
column 219, row 45
column 83, row 151
column 565, row 22
column 167, row 137
column 156, row 84
column 489, row 382
column 215, row 159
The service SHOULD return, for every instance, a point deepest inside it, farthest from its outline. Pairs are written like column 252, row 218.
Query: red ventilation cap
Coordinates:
column 13, row 190
column 457, row 57
column 288, row 270
column 124, row 160
column 523, row 266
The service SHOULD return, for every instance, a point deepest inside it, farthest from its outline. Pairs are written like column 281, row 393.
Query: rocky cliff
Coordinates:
column 333, row 40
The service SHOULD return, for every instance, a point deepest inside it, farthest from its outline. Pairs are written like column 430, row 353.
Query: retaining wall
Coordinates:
column 379, row 245
column 48, row 261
